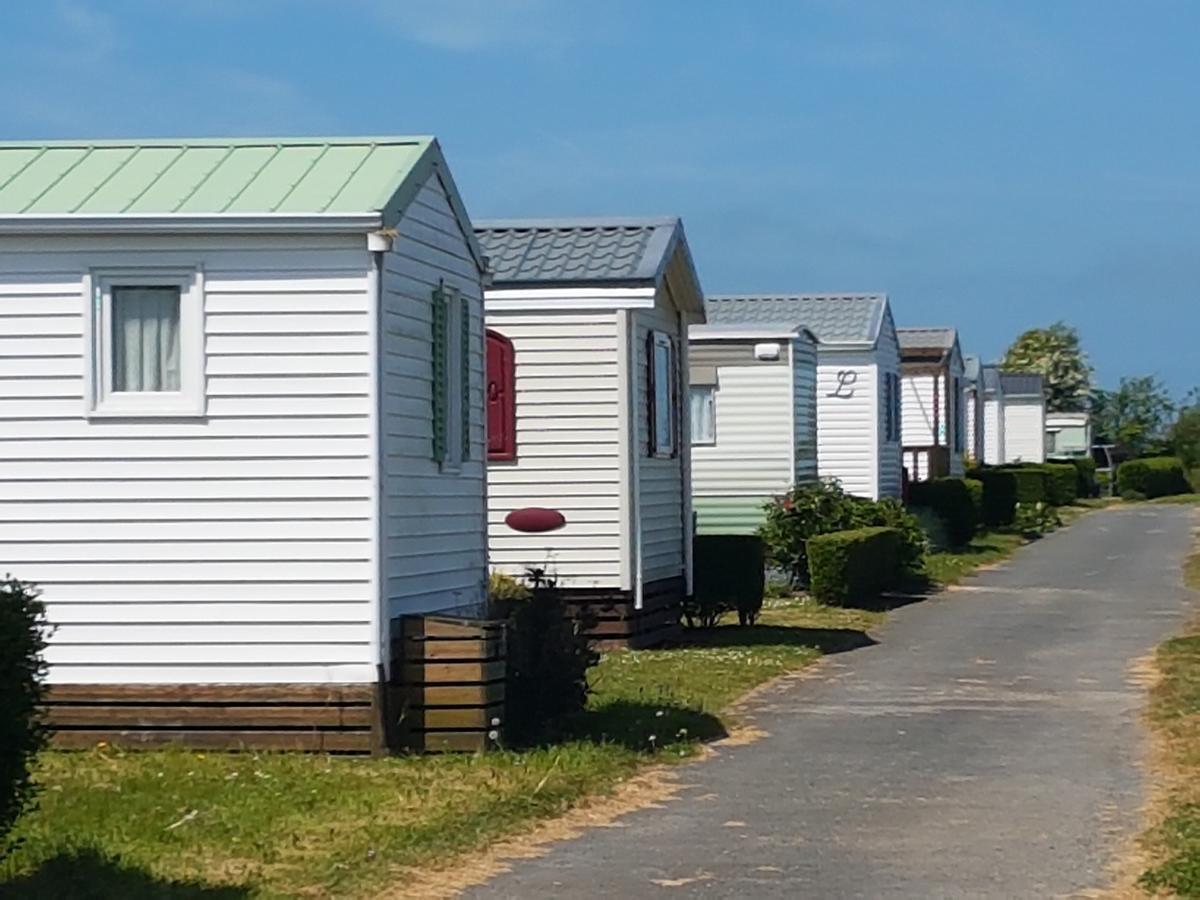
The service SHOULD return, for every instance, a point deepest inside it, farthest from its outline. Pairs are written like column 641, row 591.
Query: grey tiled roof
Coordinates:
column 991, row 379
column 1021, row 384
column 553, row 251
column 971, row 368
column 926, row 338
column 833, row 318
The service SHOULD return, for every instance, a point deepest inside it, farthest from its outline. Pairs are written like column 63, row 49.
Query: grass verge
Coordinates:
column 1174, row 844
column 949, row 567
column 179, row 824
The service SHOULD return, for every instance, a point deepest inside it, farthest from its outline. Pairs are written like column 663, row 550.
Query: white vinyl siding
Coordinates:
column 234, row 548
column 993, row 431
column 849, row 427
column 432, row 521
column 1024, row 430
column 972, row 398
column 661, row 480
column 568, row 447
column 804, row 411
column 887, row 357
column 753, row 452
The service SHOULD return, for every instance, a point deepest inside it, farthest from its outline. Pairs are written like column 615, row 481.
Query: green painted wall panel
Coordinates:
column 728, row 515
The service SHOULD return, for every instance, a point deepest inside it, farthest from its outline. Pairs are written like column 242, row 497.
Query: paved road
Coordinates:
column 986, row 747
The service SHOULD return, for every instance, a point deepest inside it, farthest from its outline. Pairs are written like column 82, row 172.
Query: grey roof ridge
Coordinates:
column 574, row 222
column 876, row 326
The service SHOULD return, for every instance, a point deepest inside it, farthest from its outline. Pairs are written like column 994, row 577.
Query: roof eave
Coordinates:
column 177, row 223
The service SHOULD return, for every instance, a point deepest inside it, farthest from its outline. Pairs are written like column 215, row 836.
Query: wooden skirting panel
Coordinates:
column 614, row 622
column 312, row 717
column 447, row 691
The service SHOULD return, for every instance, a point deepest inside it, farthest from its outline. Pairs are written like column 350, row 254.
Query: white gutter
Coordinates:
column 176, row 223
column 377, row 245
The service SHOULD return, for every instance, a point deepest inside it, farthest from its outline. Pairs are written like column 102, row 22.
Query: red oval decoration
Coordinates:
column 534, row 520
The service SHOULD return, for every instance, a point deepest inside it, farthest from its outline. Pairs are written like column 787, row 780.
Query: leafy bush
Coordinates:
column 548, row 656
column 804, row 511
column 1085, row 476
column 952, row 500
column 933, row 527
column 504, row 588
column 853, row 564
column 1037, row 519
column 23, row 633
column 1160, row 476
column 1031, row 484
column 975, row 489
column 1104, row 483
column 813, row 509
column 999, row 495
column 1061, row 483
column 730, row 574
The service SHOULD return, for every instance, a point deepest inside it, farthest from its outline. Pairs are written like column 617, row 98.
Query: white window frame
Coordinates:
column 101, row 401
column 710, row 411
column 662, row 340
column 456, row 320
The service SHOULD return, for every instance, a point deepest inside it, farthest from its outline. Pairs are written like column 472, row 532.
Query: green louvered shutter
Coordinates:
column 438, row 387
column 464, row 324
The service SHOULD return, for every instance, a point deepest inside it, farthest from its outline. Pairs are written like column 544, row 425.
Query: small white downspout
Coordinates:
column 378, row 243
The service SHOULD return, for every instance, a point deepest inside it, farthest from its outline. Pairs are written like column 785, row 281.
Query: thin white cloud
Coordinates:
column 88, row 35
column 465, row 25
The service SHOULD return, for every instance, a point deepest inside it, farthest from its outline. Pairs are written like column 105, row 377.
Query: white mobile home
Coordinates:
column 993, row 416
column 858, row 379
column 587, row 333
column 973, row 413
column 1024, row 417
column 241, row 392
column 754, row 421
column 933, row 423
column 1068, row 435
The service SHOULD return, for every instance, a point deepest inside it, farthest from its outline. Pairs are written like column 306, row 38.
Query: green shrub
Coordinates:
column 1037, row 519
column 953, row 501
column 1031, row 484
column 23, row 633
column 891, row 513
column 933, row 527
column 730, row 574
column 1160, row 476
column 548, row 657
column 975, row 490
column 1085, row 476
column 999, row 495
column 855, row 564
column 1104, row 483
column 504, row 588
column 1061, row 483
column 804, row 511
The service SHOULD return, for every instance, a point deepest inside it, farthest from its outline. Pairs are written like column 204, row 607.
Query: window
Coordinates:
column 703, row 413
column 501, row 398
column 146, row 334
column 662, row 394
column 451, row 333
column 891, row 406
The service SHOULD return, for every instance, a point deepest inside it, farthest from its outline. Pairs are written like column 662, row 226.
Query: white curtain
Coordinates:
column 145, row 339
column 703, row 415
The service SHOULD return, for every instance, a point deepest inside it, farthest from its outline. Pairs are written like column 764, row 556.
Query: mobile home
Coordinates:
column 858, row 379
column 1068, row 435
column 242, row 404
column 993, row 416
column 587, row 374
column 973, row 398
column 933, row 423
column 1024, row 417
column 753, row 415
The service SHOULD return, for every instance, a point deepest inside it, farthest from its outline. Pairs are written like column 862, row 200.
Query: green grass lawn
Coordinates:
column 952, row 566
column 180, row 824
column 1175, row 713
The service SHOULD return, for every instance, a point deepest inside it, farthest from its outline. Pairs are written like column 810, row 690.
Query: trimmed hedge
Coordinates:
column 975, row 489
column 951, row 499
column 1159, row 476
column 23, row 633
column 730, row 575
column 999, row 495
column 1061, row 483
column 1085, row 476
column 857, row 564
column 1031, row 484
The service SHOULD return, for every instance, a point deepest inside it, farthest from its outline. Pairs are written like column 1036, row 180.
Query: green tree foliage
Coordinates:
column 1056, row 355
column 1137, row 415
column 1185, row 436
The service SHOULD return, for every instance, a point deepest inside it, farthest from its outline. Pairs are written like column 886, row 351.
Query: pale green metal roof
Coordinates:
column 300, row 176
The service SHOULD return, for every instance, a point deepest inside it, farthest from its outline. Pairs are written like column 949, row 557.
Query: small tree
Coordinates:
column 1135, row 416
column 1185, row 437
column 1055, row 354
column 23, row 632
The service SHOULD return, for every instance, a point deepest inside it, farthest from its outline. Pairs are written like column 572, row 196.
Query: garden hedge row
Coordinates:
column 1159, row 476
column 23, row 632
column 730, row 575
column 1085, row 476
column 953, row 500
column 999, row 495
column 1062, row 483
column 857, row 564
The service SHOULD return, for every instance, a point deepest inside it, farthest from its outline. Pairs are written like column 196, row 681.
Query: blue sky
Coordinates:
column 992, row 165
